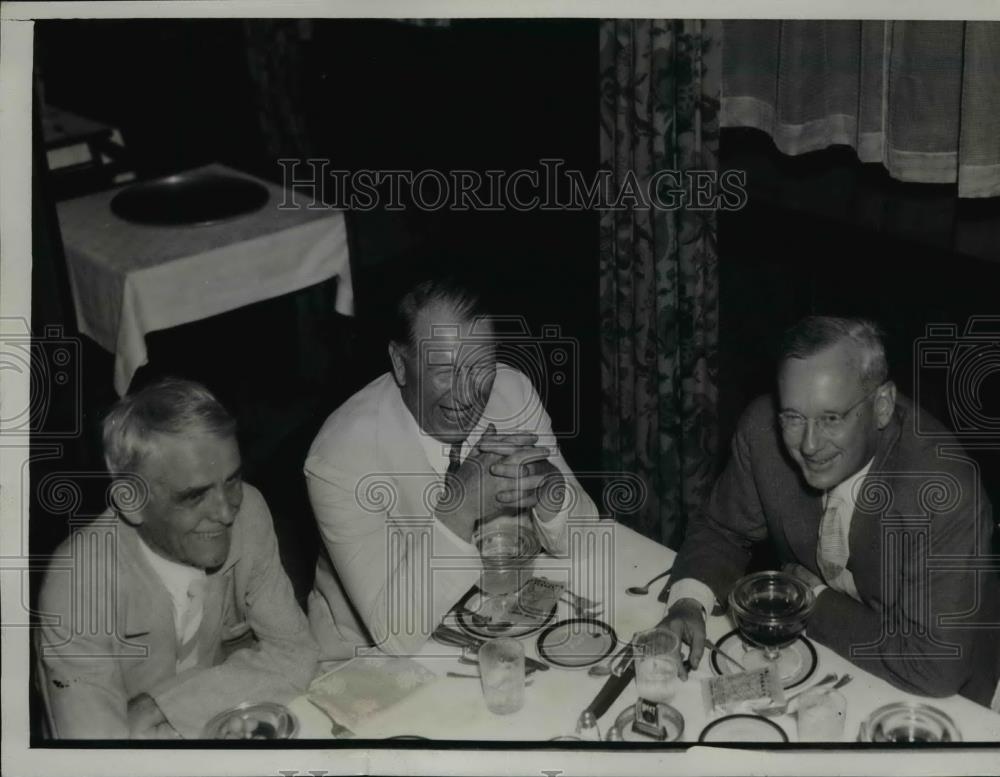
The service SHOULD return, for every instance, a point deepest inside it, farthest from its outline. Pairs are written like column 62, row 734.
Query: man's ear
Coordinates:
column 398, row 359
column 122, row 497
column 885, row 403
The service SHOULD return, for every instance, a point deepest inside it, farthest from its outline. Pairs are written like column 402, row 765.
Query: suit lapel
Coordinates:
column 801, row 528
column 148, row 611
column 865, row 559
column 397, row 450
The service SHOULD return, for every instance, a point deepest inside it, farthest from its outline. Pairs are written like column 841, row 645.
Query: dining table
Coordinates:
column 453, row 707
column 129, row 278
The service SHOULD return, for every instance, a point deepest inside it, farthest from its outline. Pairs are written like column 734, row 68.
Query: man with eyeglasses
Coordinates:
column 859, row 506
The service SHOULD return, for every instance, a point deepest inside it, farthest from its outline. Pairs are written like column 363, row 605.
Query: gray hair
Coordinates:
column 465, row 301
column 816, row 333
column 169, row 406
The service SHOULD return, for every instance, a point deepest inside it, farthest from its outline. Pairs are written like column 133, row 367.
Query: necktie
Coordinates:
column 454, row 458
column 832, row 550
column 187, row 638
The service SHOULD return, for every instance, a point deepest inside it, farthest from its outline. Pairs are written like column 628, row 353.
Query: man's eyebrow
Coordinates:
column 188, row 493
column 194, row 491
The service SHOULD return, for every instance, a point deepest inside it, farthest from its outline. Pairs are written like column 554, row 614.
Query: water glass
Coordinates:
column 657, row 664
column 501, row 670
column 820, row 716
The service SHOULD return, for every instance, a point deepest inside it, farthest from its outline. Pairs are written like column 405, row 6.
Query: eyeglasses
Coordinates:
column 828, row 423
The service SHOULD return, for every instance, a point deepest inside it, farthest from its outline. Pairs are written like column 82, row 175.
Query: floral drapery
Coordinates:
column 660, row 92
column 277, row 66
column 919, row 97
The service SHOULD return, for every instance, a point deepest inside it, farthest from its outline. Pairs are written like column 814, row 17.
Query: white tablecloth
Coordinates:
column 453, row 708
column 130, row 279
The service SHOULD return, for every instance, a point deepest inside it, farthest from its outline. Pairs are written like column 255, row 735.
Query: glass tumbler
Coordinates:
column 501, row 670
column 657, row 664
column 820, row 716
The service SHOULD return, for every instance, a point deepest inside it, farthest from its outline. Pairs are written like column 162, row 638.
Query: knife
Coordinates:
column 622, row 672
column 612, row 689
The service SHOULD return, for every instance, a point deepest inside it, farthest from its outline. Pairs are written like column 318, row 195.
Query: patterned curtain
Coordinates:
column 277, row 66
column 660, row 92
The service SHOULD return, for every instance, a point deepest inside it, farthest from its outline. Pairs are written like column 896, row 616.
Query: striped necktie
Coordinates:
column 833, row 550
column 187, row 637
column 454, row 458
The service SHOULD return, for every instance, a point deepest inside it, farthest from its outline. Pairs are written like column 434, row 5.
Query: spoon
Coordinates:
column 642, row 590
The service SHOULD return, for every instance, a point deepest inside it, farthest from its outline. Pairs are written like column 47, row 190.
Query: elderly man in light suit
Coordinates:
column 196, row 613
column 446, row 441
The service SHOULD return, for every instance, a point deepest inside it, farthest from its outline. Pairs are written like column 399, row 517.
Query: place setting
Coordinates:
column 770, row 610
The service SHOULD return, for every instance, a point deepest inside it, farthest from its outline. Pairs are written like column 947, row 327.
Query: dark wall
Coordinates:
column 377, row 95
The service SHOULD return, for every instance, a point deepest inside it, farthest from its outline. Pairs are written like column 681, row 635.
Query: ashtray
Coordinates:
column 263, row 720
column 909, row 722
column 670, row 719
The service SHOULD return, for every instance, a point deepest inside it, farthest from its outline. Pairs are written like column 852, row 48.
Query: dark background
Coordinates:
column 481, row 94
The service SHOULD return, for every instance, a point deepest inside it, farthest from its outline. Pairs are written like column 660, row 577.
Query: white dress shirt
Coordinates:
column 178, row 579
column 690, row 588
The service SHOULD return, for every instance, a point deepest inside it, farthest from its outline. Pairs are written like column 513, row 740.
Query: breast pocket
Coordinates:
column 236, row 632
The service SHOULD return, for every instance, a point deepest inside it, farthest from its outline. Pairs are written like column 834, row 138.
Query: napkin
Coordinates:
column 363, row 687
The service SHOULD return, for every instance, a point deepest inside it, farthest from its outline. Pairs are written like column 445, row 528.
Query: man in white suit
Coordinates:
column 401, row 475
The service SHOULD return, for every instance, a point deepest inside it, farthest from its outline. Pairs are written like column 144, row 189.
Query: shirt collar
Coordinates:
column 845, row 491
column 176, row 577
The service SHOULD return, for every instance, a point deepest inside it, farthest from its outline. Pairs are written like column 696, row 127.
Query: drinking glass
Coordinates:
column 501, row 670
column 507, row 549
column 657, row 664
column 820, row 716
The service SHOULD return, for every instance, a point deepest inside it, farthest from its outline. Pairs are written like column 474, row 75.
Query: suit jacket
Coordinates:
column 919, row 510
column 395, row 569
column 107, row 631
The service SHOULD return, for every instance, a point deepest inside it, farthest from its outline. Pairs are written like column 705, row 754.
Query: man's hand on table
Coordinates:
column 687, row 620
column 503, row 473
column 147, row 721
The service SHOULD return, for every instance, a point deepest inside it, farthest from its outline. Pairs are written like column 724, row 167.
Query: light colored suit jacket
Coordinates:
column 395, row 569
column 107, row 631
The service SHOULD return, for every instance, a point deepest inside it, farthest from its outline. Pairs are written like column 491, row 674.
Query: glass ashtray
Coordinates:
column 669, row 718
column 909, row 722
column 264, row 720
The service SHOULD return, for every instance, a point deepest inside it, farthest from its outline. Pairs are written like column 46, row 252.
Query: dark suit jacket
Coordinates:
column 107, row 631
column 921, row 520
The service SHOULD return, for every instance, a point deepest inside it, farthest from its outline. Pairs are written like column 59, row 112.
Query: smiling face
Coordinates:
column 447, row 376
column 830, row 382
column 195, row 493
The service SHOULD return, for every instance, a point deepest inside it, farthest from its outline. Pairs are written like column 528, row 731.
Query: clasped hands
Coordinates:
column 505, row 473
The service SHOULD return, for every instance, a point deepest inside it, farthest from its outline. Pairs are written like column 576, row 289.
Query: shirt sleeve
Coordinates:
column 689, row 588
